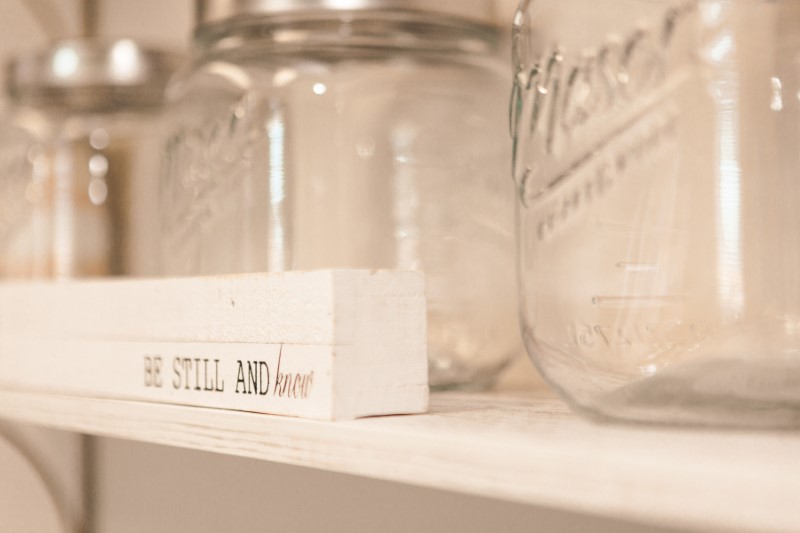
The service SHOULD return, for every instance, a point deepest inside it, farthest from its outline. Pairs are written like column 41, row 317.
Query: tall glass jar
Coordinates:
column 79, row 160
column 325, row 134
column 656, row 163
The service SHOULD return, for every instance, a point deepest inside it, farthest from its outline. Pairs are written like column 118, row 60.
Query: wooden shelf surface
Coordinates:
column 521, row 447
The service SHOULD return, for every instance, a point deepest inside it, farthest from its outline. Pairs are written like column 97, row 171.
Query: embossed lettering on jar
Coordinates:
column 310, row 135
column 655, row 161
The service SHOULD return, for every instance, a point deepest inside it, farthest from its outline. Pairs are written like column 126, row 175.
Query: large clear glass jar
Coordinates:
column 79, row 160
column 319, row 134
column 656, row 162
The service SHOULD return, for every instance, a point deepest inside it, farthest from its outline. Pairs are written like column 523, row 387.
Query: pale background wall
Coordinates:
column 155, row 489
column 159, row 22
column 136, row 487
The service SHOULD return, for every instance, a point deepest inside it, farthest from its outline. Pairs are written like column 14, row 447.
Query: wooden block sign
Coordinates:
column 331, row 345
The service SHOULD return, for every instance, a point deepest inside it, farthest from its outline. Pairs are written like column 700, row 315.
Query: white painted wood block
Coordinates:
column 328, row 345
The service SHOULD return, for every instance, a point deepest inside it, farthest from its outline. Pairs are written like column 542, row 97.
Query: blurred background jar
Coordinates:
column 79, row 160
column 316, row 134
column 656, row 164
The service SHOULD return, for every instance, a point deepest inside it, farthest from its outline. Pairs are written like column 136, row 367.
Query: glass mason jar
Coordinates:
column 323, row 134
column 79, row 160
column 656, row 164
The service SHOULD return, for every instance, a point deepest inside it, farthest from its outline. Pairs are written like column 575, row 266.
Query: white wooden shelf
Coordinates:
column 521, row 447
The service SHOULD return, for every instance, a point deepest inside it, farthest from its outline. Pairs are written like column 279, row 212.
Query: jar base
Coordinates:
column 720, row 392
column 745, row 376
column 463, row 377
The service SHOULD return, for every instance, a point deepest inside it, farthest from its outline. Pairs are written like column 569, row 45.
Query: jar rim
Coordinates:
column 88, row 70
column 208, row 12
column 351, row 30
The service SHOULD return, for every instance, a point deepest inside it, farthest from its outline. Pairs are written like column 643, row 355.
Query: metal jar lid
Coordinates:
column 87, row 74
column 214, row 11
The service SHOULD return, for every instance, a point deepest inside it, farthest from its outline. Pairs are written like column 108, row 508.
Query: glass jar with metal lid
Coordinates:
column 79, row 160
column 351, row 134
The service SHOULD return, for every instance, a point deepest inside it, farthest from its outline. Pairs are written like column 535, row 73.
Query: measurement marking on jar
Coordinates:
column 621, row 302
column 637, row 267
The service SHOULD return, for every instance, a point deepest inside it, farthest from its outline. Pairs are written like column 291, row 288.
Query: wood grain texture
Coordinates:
column 524, row 448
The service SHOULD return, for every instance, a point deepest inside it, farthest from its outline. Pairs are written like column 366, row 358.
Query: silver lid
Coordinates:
column 88, row 74
column 212, row 11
